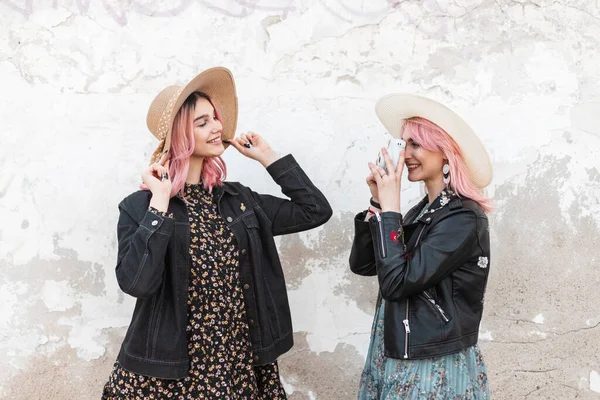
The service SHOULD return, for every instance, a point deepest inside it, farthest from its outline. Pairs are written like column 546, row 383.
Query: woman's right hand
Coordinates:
column 160, row 188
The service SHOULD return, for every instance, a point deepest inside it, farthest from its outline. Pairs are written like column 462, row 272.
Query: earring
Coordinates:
column 446, row 172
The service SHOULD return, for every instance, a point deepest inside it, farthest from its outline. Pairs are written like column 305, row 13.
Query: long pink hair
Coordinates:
column 214, row 170
column 433, row 138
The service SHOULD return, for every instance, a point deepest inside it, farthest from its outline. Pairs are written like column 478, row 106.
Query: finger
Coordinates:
column 389, row 164
column 158, row 171
column 236, row 144
column 254, row 137
column 246, row 142
column 164, row 158
column 375, row 173
column 157, row 168
column 400, row 166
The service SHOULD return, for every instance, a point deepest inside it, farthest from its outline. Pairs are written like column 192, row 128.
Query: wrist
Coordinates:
column 269, row 158
column 394, row 208
column 160, row 202
column 375, row 203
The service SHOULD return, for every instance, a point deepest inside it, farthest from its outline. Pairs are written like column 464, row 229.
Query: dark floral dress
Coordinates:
column 218, row 334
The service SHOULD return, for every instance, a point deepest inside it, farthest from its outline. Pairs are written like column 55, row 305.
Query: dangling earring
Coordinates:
column 446, row 172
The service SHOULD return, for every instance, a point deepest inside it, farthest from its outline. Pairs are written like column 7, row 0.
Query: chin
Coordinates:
column 213, row 153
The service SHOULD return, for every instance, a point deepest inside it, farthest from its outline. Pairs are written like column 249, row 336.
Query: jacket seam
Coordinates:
column 150, row 360
column 142, row 263
column 275, row 342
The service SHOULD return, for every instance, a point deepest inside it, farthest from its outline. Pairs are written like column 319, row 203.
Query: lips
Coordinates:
column 411, row 167
column 215, row 140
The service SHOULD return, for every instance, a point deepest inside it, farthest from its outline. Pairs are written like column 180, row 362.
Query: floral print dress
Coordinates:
column 217, row 331
column 458, row 376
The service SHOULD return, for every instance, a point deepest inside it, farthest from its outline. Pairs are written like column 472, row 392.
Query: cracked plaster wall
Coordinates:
column 77, row 77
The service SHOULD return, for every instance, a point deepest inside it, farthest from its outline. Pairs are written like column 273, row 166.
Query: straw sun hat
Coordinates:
column 394, row 108
column 216, row 82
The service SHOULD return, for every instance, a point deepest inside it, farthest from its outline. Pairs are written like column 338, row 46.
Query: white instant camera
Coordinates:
column 394, row 147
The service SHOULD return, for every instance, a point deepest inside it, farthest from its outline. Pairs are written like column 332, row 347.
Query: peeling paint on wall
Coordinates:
column 308, row 74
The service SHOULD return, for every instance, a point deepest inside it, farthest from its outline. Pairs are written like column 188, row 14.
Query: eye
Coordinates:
column 415, row 145
column 203, row 123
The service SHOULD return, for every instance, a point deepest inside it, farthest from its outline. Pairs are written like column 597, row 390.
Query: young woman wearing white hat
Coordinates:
column 432, row 263
column 212, row 313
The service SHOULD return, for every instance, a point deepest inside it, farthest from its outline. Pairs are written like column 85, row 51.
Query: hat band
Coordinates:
column 165, row 118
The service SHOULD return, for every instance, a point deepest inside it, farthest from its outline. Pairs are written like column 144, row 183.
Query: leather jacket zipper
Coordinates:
column 437, row 307
column 406, row 329
column 406, row 322
column 381, row 242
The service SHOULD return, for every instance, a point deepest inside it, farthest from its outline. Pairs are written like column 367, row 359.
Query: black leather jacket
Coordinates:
column 154, row 263
column 432, row 273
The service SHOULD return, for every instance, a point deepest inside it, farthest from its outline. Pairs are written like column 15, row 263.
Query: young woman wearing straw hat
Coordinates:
column 432, row 263
column 212, row 313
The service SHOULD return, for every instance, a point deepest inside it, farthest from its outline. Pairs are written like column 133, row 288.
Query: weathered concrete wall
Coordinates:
column 76, row 79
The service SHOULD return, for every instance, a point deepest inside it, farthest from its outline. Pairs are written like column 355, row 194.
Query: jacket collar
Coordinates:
column 446, row 198
column 227, row 188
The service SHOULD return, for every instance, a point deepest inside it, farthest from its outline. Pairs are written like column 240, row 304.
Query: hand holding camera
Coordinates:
column 384, row 181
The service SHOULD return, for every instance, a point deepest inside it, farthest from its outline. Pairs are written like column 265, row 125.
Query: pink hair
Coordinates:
column 433, row 138
column 214, row 170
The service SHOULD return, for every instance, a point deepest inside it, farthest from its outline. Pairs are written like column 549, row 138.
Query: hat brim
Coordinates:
column 219, row 85
column 394, row 108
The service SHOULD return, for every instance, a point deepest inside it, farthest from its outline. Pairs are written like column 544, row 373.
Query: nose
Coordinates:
column 407, row 152
column 216, row 126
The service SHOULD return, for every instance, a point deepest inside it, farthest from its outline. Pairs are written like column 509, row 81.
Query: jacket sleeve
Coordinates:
column 444, row 249
column 142, row 246
column 362, row 257
column 306, row 208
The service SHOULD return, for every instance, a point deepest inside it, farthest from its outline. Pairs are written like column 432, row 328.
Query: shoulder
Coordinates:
column 473, row 206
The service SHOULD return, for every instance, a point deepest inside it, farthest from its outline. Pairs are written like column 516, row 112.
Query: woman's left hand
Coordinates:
column 254, row 146
column 388, row 184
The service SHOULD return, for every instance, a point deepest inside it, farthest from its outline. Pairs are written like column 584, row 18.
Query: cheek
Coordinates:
column 200, row 135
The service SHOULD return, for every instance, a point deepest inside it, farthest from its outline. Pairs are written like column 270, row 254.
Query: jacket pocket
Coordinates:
column 436, row 307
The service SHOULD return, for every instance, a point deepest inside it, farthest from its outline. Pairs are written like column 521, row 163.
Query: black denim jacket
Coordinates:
column 433, row 287
column 154, row 263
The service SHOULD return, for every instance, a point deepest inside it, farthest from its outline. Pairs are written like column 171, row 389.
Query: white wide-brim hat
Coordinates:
column 394, row 108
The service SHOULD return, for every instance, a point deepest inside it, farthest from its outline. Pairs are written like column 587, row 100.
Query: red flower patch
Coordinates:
column 394, row 236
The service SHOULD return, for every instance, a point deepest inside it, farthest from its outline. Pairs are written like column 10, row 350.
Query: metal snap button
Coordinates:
column 244, row 251
column 229, row 219
column 154, row 223
column 246, row 286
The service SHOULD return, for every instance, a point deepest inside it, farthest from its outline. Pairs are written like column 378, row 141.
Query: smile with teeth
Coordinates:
column 412, row 166
column 215, row 140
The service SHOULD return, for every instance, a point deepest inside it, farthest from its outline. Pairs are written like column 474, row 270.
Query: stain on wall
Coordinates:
column 77, row 79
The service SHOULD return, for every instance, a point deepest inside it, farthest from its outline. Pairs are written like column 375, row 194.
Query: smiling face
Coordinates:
column 208, row 130
column 422, row 164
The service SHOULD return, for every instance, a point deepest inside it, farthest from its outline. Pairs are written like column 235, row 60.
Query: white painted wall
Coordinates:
column 76, row 78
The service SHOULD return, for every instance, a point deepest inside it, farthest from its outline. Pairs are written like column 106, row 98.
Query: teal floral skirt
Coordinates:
column 460, row 375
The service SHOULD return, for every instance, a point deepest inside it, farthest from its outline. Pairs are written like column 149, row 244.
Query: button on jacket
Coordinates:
column 153, row 265
column 433, row 287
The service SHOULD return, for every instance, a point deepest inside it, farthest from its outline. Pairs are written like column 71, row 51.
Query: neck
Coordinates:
column 195, row 170
column 434, row 188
